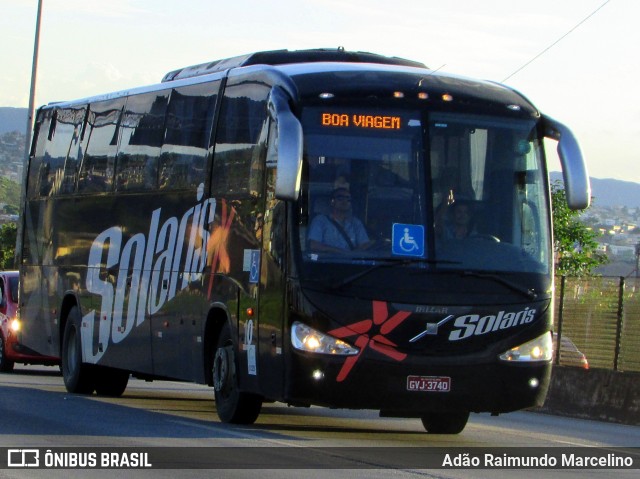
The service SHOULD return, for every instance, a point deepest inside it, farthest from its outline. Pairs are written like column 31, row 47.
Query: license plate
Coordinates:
column 437, row 384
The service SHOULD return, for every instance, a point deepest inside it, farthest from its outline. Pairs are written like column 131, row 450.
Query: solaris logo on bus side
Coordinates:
column 371, row 333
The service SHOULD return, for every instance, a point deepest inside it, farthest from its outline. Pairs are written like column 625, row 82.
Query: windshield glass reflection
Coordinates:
column 469, row 194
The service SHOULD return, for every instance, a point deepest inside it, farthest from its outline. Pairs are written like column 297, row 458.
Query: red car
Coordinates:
column 11, row 351
column 570, row 355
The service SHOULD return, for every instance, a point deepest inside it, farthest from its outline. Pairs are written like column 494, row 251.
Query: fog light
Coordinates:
column 15, row 325
column 534, row 383
column 317, row 375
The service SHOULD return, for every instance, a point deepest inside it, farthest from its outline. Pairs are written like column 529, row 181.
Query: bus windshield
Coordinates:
column 436, row 190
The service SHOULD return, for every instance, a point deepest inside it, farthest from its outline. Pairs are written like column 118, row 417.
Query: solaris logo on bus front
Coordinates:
column 372, row 333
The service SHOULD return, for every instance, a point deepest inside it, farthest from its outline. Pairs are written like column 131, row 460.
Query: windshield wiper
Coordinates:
column 387, row 263
column 526, row 292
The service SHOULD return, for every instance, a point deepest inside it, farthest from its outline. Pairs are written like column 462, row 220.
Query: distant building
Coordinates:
column 622, row 252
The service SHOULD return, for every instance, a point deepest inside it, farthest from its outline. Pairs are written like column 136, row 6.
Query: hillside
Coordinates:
column 13, row 119
column 608, row 192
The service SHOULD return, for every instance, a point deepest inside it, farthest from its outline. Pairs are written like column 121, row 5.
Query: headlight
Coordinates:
column 539, row 349
column 308, row 339
column 15, row 325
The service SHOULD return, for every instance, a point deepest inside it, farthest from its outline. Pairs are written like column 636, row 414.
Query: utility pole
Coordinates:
column 27, row 141
column 32, row 91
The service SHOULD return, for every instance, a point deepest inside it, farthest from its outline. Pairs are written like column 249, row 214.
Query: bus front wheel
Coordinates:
column 233, row 406
column 445, row 423
column 111, row 382
column 77, row 376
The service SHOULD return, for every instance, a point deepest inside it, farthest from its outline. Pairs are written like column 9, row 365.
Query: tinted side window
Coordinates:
column 142, row 136
column 240, row 139
column 188, row 129
column 101, row 136
column 60, row 134
column 74, row 157
column 36, row 163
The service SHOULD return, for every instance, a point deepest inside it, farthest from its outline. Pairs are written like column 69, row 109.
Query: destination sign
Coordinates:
column 356, row 120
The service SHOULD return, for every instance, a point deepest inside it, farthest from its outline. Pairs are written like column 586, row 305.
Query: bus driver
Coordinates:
column 340, row 231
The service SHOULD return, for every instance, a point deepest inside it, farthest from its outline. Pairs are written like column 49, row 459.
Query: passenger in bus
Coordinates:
column 461, row 224
column 339, row 231
column 455, row 221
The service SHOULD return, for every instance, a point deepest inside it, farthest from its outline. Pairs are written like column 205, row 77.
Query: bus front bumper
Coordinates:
column 414, row 387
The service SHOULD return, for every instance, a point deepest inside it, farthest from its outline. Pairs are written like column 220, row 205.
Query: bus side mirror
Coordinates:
column 574, row 170
column 286, row 141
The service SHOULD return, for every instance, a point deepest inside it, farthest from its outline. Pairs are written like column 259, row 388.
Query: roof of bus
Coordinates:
column 312, row 71
column 366, row 80
column 284, row 57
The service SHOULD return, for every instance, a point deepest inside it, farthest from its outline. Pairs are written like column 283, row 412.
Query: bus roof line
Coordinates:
column 259, row 72
column 519, row 93
column 136, row 91
column 277, row 76
column 283, row 57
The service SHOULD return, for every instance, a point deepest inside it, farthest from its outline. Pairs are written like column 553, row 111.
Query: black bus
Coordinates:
column 316, row 227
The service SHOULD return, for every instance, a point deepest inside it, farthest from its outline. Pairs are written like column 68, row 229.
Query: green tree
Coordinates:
column 9, row 193
column 7, row 245
column 575, row 245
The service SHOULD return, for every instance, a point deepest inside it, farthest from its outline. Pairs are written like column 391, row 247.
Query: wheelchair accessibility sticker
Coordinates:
column 407, row 240
column 251, row 263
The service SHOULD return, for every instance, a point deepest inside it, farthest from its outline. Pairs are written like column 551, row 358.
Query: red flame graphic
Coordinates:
column 378, row 342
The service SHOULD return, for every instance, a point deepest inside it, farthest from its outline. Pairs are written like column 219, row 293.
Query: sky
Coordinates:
column 578, row 61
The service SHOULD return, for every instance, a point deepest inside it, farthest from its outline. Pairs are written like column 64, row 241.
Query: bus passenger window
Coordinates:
column 61, row 133
column 188, row 129
column 142, row 131
column 98, row 163
column 72, row 162
column 240, row 141
column 43, row 122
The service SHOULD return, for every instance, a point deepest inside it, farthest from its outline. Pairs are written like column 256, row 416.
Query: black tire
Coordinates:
column 445, row 423
column 111, row 382
column 78, row 377
column 6, row 366
column 232, row 405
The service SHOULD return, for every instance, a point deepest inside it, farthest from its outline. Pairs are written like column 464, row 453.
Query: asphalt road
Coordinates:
column 37, row 412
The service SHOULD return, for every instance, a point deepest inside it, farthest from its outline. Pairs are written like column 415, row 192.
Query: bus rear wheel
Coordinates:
column 445, row 423
column 233, row 406
column 78, row 377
